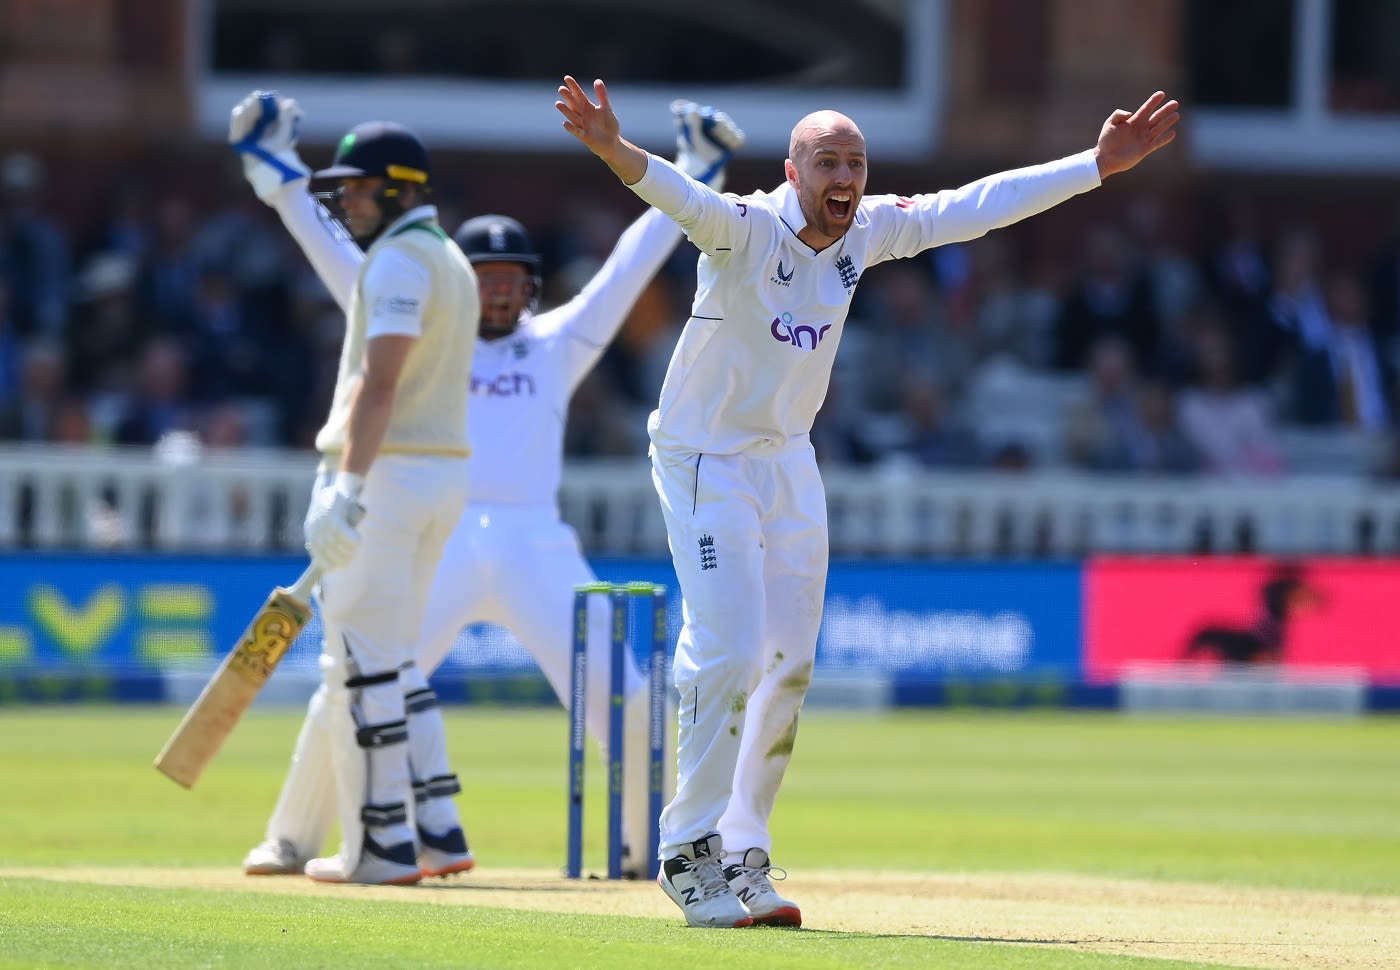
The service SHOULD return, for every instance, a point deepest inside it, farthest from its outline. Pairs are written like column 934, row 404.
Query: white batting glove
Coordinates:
column 706, row 140
column 331, row 536
column 263, row 129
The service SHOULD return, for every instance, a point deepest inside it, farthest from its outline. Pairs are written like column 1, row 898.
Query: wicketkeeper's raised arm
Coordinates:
column 263, row 130
column 711, row 221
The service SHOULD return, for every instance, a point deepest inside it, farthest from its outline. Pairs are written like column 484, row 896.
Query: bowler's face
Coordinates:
column 828, row 172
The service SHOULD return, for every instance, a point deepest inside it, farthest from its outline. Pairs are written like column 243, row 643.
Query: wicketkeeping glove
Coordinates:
column 263, row 130
column 706, row 140
column 331, row 536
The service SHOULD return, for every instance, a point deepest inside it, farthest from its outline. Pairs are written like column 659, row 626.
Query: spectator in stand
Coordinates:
column 1125, row 423
column 1239, row 279
column 1110, row 298
column 125, row 224
column 158, row 404
column 1160, row 447
column 11, row 349
column 1298, row 305
column 1229, row 424
column 227, row 348
column 906, row 327
column 166, row 282
column 1103, row 423
column 1384, row 291
column 72, row 424
column 931, row 437
column 1362, row 375
column 34, row 251
column 1175, row 280
column 105, row 331
column 840, row 432
column 1013, row 319
column 30, row 415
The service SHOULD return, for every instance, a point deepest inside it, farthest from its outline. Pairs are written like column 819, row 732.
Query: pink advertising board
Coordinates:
column 1315, row 614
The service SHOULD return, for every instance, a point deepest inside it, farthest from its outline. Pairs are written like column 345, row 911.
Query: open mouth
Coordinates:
column 838, row 206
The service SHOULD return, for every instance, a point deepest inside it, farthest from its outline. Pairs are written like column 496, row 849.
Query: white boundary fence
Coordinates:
column 254, row 500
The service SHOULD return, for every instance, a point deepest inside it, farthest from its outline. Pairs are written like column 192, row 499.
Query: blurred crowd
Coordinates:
column 164, row 316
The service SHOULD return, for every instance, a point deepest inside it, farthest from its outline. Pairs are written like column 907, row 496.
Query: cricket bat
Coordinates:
column 217, row 710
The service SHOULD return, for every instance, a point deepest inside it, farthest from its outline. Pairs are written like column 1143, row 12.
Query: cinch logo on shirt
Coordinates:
column 802, row 336
column 513, row 384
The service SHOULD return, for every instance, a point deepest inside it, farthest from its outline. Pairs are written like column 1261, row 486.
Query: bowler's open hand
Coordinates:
column 1129, row 137
column 595, row 125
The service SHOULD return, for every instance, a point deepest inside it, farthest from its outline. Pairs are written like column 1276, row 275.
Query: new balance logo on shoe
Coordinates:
column 695, row 882
column 749, row 879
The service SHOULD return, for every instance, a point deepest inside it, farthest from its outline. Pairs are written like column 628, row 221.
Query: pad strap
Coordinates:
column 373, row 736
column 443, row 786
column 381, row 815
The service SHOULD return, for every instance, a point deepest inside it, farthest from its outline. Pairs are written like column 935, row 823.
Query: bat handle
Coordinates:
column 302, row 588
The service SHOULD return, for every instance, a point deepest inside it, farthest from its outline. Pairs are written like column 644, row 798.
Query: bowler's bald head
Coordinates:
column 820, row 125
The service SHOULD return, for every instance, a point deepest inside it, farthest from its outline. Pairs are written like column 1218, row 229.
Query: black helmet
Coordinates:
column 496, row 238
column 487, row 239
column 380, row 149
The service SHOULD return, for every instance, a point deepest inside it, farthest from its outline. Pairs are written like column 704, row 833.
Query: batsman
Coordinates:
column 510, row 560
column 391, row 484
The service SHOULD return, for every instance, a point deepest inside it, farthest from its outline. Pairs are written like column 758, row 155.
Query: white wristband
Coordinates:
column 348, row 483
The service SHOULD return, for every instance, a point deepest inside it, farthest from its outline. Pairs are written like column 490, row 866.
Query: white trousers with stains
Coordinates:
column 748, row 537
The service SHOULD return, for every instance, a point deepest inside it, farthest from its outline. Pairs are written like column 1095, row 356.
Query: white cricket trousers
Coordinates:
column 372, row 611
column 748, row 537
column 517, row 566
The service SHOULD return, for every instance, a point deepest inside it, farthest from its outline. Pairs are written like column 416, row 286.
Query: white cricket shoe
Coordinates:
column 394, row 865
column 274, row 857
column 749, row 878
column 696, row 884
column 442, row 855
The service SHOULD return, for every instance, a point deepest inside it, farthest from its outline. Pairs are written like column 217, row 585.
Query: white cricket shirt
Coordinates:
column 753, row 363
column 519, row 386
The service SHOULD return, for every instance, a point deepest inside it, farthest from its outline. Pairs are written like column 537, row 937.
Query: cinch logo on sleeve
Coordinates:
column 801, row 336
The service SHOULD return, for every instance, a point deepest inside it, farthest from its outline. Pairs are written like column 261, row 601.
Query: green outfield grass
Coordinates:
column 1295, row 804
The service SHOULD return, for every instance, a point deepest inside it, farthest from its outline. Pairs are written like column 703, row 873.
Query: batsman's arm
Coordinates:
column 334, row 256
column 263, row 130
